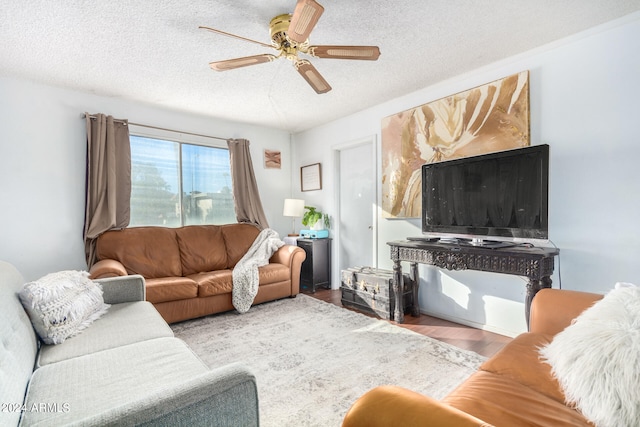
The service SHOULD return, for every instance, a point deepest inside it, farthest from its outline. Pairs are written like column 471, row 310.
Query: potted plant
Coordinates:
column 315, row 219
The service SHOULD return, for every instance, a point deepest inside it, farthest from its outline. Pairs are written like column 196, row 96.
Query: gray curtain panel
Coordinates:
column 108, row 185
column 245, row 189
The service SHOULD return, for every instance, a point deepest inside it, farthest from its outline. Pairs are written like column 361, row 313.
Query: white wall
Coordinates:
column 584, row 95
column 42, row 169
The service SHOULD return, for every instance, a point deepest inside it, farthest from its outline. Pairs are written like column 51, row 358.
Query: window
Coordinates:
column 175, row 184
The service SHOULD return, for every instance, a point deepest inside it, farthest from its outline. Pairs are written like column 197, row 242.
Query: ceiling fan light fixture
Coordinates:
column 290, row 36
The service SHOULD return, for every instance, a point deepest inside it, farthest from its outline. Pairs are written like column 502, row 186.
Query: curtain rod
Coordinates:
column 91, row 116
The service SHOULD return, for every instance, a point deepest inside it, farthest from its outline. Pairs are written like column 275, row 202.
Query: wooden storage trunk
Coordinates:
column 371, row 290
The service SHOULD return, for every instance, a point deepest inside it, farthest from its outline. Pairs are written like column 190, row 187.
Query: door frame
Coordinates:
column 370, row 140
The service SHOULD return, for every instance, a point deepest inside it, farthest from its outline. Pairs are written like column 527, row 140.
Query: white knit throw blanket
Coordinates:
column 245, row 273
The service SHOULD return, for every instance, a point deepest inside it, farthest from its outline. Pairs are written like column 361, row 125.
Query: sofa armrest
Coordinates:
column 552, row 310
column 116, row 290
column 292, row 257
column 107, row 268
column 388, row 406
column 227, row 396
column 286, row 255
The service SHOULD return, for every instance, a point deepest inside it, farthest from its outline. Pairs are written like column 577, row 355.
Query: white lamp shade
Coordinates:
column 293, row 207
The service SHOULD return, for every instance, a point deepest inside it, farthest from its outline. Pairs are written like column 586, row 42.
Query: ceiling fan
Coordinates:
column 289, row 36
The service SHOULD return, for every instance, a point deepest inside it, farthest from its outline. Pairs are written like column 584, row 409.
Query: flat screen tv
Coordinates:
column 494, row 197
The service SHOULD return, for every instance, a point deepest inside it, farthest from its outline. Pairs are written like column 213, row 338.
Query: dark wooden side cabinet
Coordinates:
column 316, row 268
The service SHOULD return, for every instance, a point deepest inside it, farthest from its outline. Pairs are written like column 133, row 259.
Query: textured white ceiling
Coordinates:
column 152, row 51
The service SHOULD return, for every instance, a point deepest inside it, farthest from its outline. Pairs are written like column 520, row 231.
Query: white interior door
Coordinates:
column 357, row 205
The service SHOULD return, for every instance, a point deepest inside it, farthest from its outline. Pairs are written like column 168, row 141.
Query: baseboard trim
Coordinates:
column 472, row 324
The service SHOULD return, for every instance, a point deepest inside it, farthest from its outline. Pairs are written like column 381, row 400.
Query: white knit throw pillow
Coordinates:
column 597, row 359
column 62, row 304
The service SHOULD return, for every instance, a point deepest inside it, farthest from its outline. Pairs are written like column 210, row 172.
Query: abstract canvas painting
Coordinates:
column 492, row 117
column 272, row 159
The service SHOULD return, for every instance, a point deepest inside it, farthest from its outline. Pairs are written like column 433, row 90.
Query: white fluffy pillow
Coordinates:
column 62, row 304
column 597, row 359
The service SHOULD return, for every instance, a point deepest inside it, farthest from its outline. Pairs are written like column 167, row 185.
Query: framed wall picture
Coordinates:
column 272, row 159
column 311, row 177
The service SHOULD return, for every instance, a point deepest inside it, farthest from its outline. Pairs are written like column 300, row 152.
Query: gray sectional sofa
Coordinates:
column 127, row 368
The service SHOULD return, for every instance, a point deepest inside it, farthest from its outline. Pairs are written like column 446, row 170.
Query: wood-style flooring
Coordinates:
column 461, row 336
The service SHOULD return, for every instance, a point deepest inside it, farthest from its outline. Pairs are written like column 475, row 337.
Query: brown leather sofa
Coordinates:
column 513, row 388
column 188, row 270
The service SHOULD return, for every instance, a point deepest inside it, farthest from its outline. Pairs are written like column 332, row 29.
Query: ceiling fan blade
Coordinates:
column 245, row 61
column 312, row 76
column 213, row 30
column 370, row 53
column 304, row 19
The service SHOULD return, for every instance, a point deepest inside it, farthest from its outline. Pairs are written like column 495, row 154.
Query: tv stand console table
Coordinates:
column 535, row 263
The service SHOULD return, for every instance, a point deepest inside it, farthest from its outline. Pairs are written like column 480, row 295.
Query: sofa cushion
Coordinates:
column 18, row 344
column 501, row 401
column 170, row 289
column 151, row 252
column 221, row 282
column 62, row 304
column 213, row 282
column 89, row 385
column 520, row 361
column 202, row 248
column 125, row 323
column 238, row 239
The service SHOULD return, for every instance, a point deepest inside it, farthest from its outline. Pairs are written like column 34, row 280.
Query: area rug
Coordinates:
column 313, row 359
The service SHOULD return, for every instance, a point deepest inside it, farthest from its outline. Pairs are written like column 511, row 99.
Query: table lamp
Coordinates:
column 295, row 209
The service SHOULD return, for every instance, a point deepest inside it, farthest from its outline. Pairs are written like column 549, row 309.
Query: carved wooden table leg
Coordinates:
column 415, row 308
column 533, row 286
column 398, row 291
